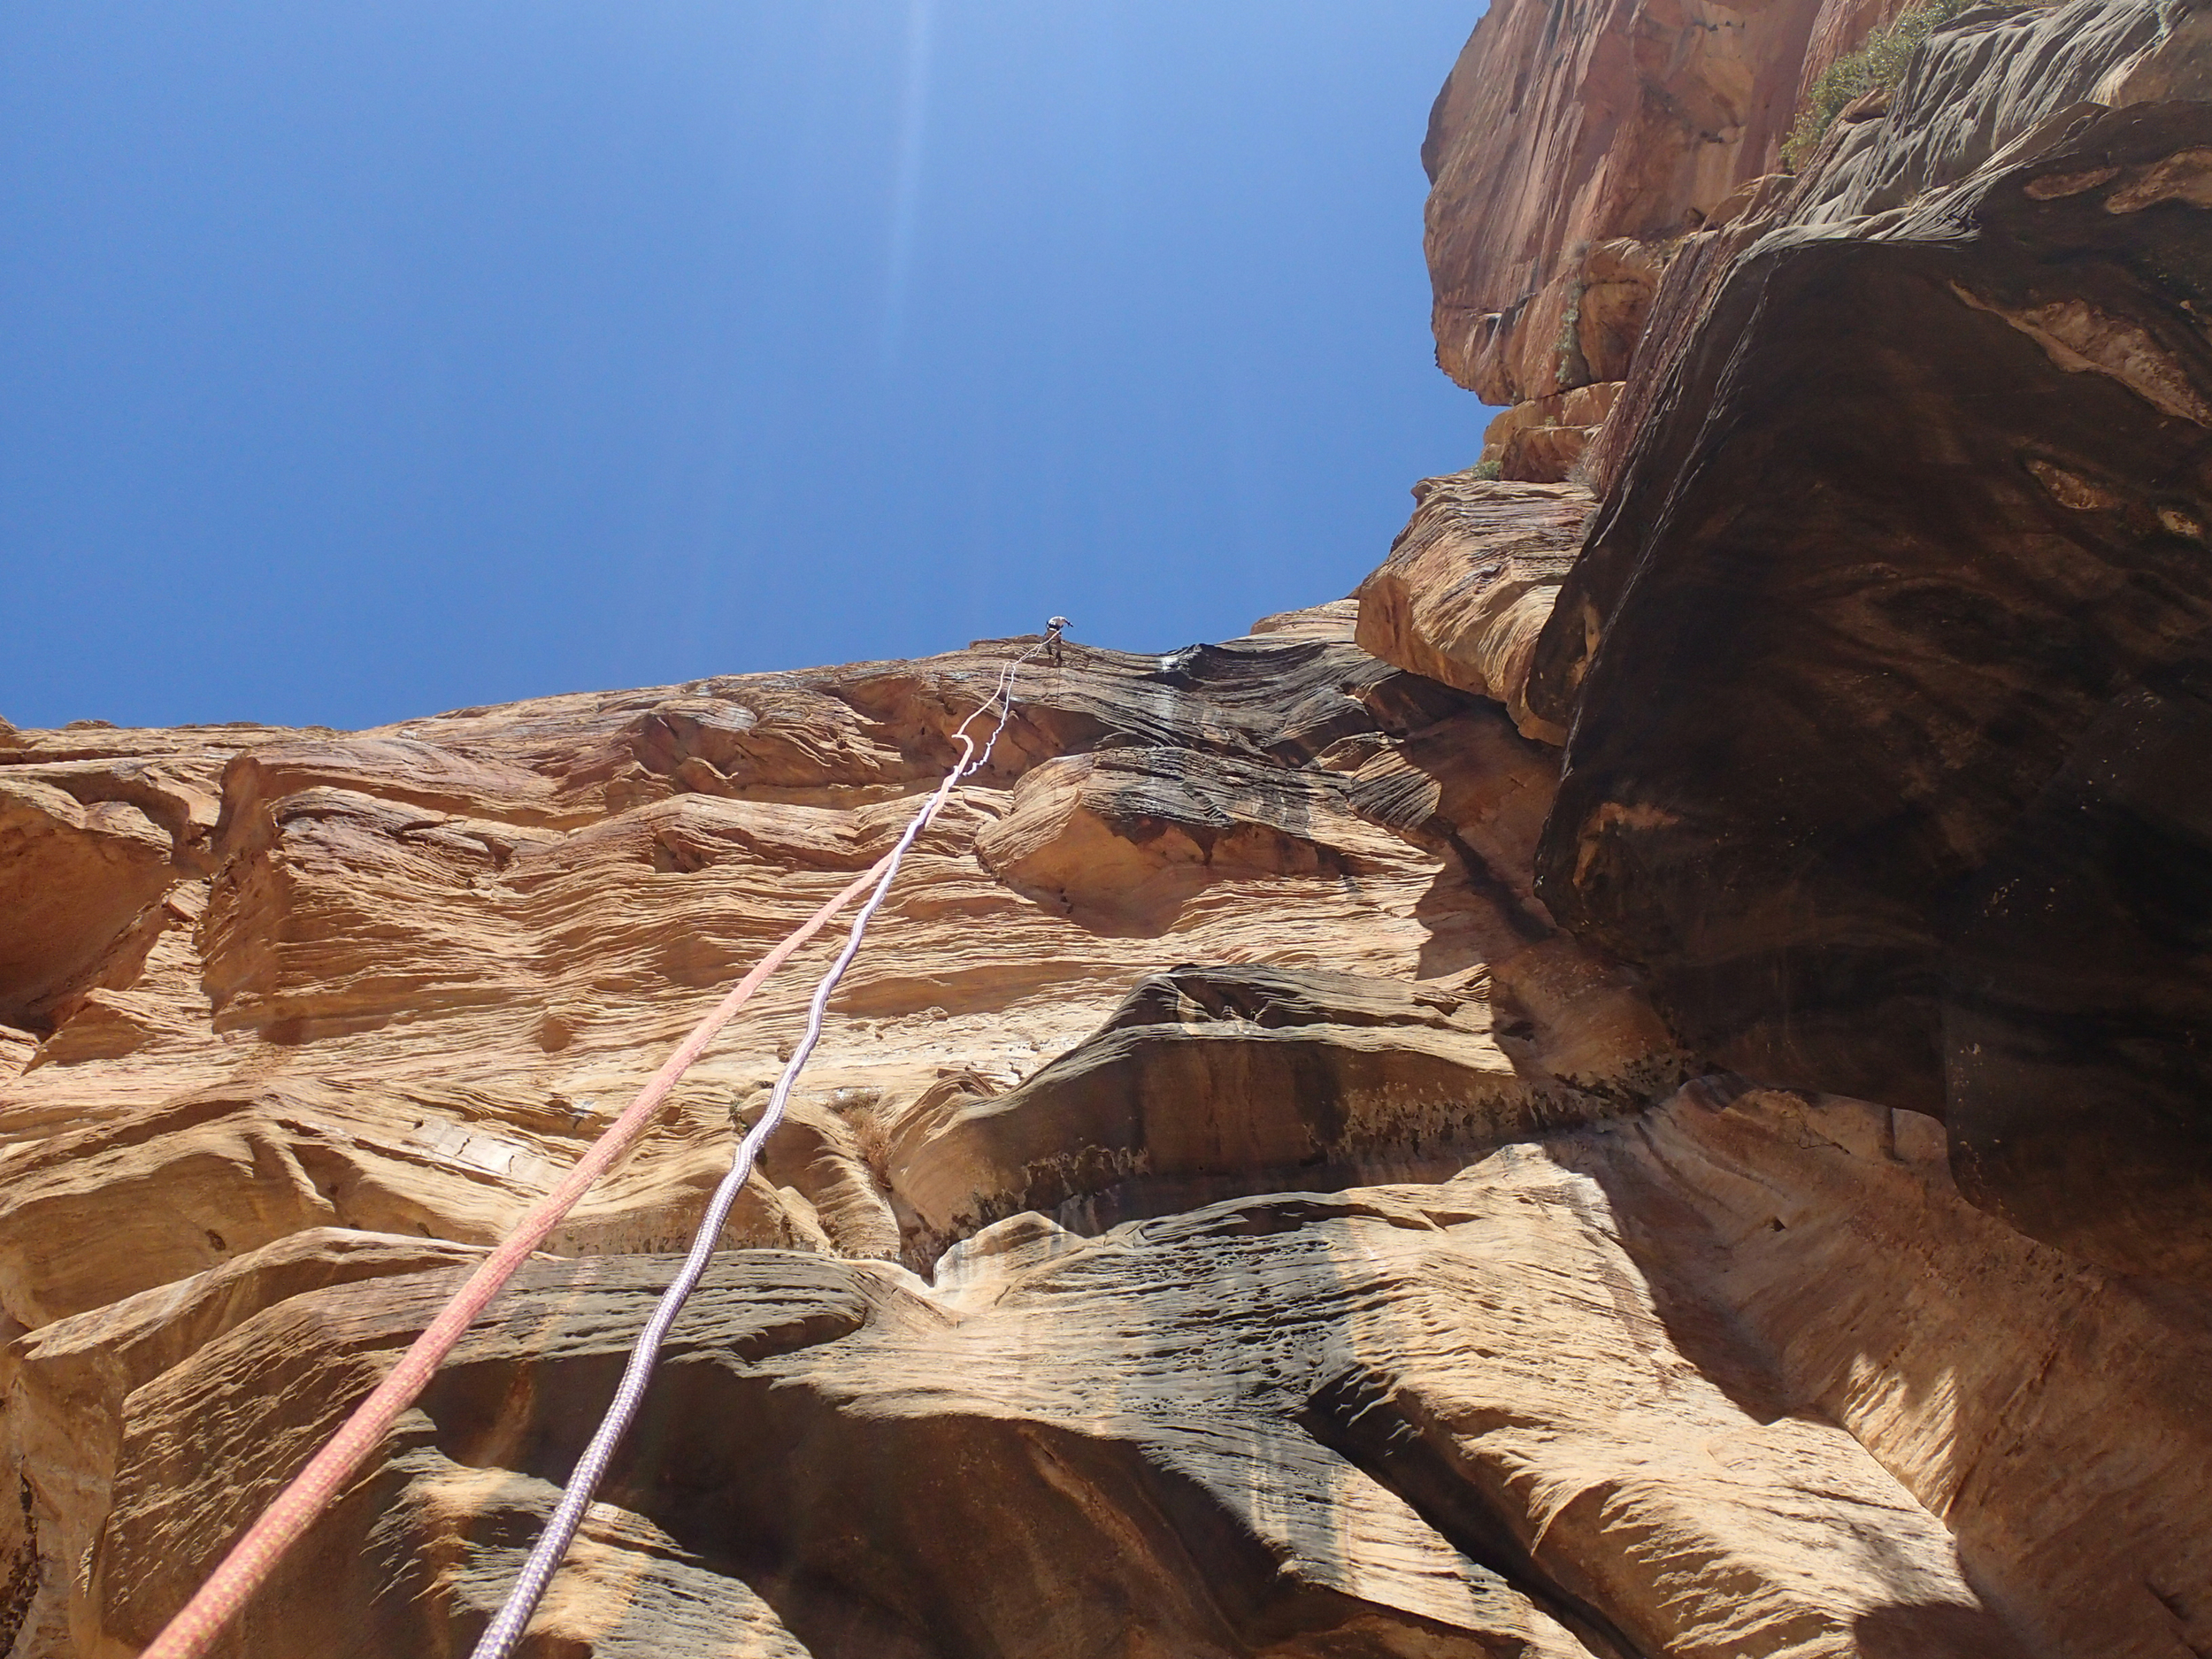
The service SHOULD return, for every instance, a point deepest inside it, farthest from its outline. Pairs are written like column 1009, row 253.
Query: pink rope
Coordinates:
column 506, row 1626
column 280, row 1526
column 195, row 1624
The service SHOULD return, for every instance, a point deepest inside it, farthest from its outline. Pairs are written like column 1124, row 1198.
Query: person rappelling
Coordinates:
column 1055, row 626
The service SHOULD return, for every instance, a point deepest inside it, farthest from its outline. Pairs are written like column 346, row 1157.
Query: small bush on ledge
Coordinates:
column 1877, row 65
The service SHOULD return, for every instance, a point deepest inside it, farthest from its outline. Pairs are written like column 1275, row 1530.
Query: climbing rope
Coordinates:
column 195, row 1626
column 506, row 1627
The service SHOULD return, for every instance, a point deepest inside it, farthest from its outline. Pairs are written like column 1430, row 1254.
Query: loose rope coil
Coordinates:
column 193, row 1629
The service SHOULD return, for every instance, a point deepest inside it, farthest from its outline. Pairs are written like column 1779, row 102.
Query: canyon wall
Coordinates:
column 1636, row 1088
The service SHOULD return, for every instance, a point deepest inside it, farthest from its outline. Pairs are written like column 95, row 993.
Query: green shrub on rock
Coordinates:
column 1877, row 65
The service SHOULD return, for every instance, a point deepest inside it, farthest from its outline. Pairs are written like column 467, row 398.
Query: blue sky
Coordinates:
column 363, row 361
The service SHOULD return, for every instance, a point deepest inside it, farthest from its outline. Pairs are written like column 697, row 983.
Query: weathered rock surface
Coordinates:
column 1577, row 149
column 1543, row 440
column 1891, row 604
column 1308, row 1078
column 1294, row 1174
column 99, row 868
column 1925, row 641
column 1571, row 148
column 1119, row 841
column 1328, row 1297
column 354, row 999
column 1585, row 1397
column 1470, row 584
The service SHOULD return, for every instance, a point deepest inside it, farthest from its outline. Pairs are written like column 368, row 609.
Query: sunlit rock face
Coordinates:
column 1574, row 146
column 329, row 1008
column 1229, row 1214
column 1635, row 1088
column 1651, row 1386
column 1470, row 583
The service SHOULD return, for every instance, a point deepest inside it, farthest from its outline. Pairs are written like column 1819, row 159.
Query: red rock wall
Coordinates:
column 1575, row 144
column 1307, row 1165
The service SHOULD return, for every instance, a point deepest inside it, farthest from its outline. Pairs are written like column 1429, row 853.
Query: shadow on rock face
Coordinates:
column 2079, row 997
column 1450, row 1419
column 1353, row 1414
column 1941, row 1630
column 1811, row 1256
column 1824, row 656
column 1210, row 1081
column 75, row 879
column 833, row 1465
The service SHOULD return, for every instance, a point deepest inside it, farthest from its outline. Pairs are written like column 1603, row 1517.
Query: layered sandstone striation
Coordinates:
column 1391, row 1465
column 336, row 1007
column 1368, row 1283
column 1883, row 652
column 1940, row 633
column 1635, row 1088
column 1572, row 150
column 1470, row 583
column 1578, row 150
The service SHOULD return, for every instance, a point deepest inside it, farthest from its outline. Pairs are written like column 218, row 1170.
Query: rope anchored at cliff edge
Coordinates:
column 250, row 1561
column 506, row 1627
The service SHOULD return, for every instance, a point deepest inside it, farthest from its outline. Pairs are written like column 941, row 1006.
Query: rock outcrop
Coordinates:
column 1924, row 609
column 1892, row 601
column 1578, row 149
column 1470, row 583
column 1590, row 1395
column 338, row 1006
column 1368, row 1287
column 1572, row 147
column 1636, row 1088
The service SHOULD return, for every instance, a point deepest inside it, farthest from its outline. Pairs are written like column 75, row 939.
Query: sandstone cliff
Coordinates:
column 1636, row 1089
column 1886, row 651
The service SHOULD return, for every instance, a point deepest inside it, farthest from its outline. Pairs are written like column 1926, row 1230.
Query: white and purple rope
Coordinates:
column 507, row 1625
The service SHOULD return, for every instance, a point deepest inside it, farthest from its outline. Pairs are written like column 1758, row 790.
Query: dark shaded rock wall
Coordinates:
column 1912, row 529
